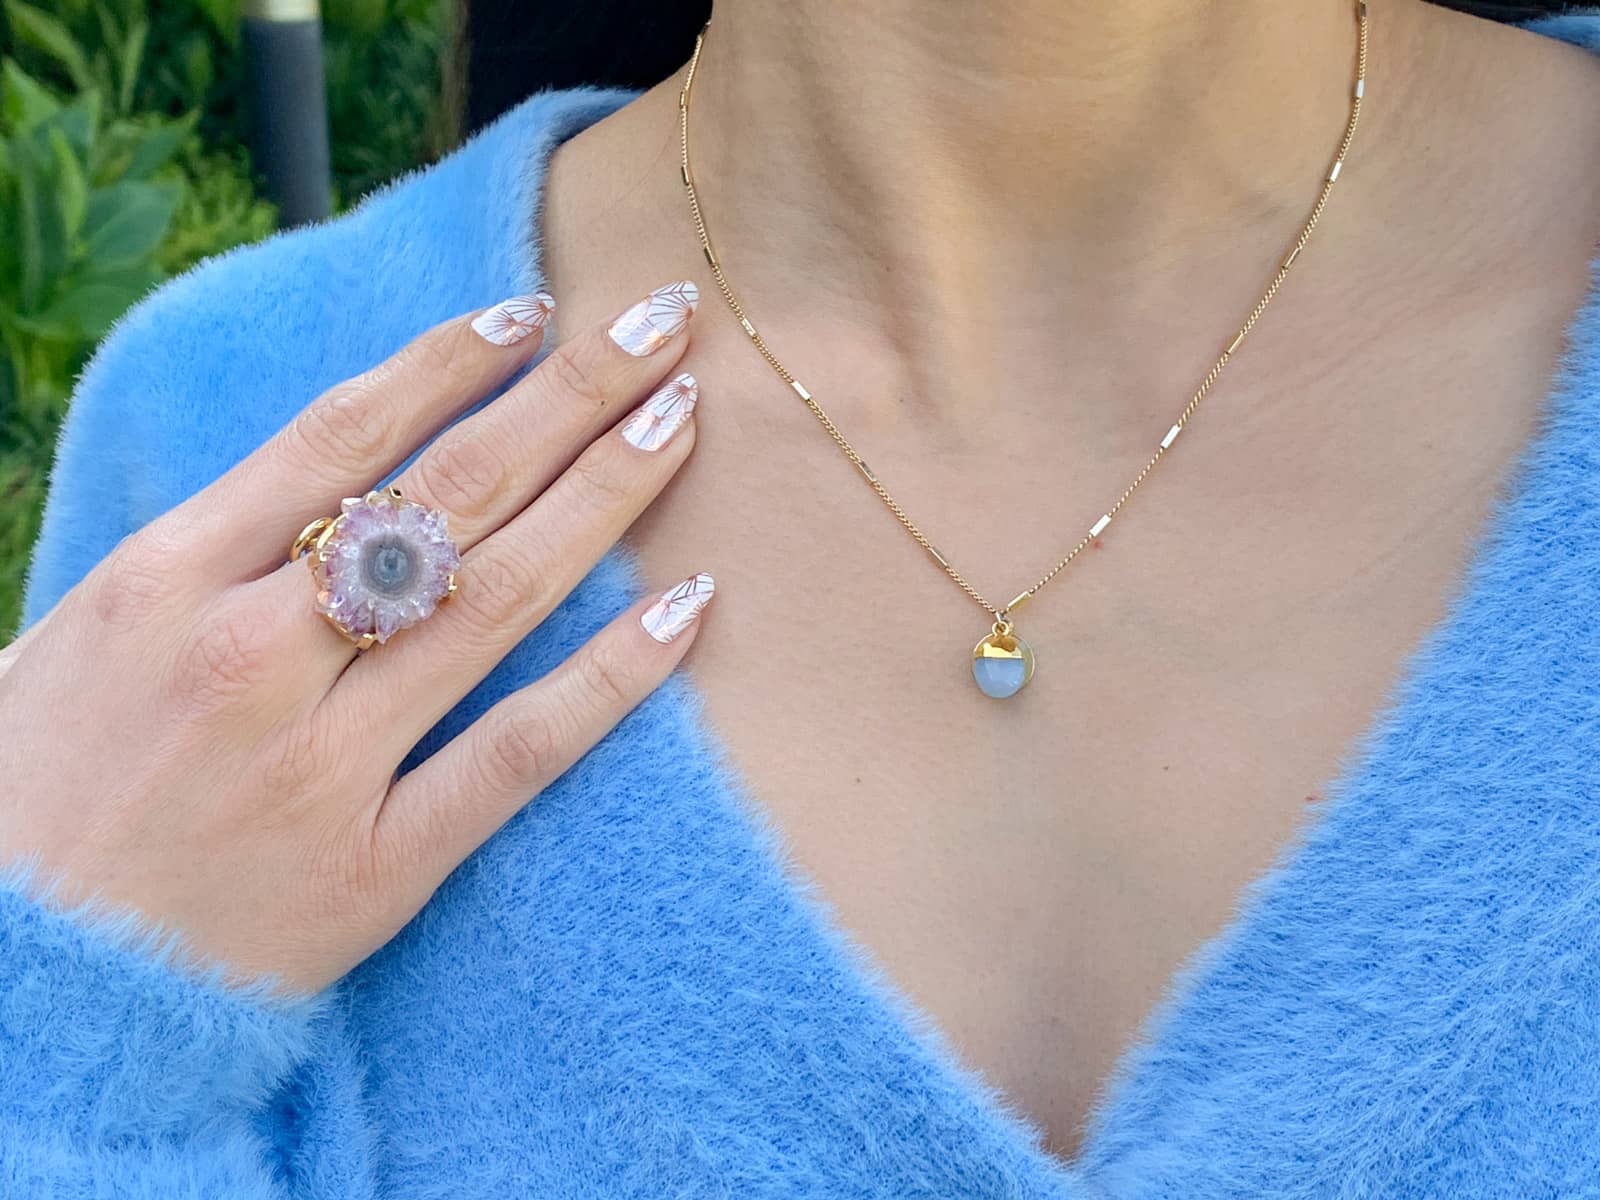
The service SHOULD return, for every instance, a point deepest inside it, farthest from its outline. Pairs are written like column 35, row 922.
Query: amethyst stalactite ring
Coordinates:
column 384, row 563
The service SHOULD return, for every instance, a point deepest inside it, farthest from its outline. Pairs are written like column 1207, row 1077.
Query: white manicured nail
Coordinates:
column 655, row 421
column 652, row 323
column 678, row 608
column 510, row 321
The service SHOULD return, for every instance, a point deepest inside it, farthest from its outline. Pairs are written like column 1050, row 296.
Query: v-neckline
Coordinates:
column 1563, row 409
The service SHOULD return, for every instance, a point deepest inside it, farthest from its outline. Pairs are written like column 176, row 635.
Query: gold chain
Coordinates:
column 1000, row 613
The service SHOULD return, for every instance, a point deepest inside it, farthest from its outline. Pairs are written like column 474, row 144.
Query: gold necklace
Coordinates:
column 1002, row 663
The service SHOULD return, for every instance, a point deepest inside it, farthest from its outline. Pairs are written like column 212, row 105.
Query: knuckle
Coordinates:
column 461, row 474
column 295, row 762
column 497, row 590
column 602, row 481
column 329, row 810
column 409, row 839
column 608, row 682
column 435, row 357
column 349, row 421
column 345, row 872
column 520, row 750
column 572, row 379
column 133, row 585
column 229, row 656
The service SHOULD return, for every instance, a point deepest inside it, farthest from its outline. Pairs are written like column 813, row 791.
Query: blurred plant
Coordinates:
column 384, row 62
column 93, row 199
column 124, row 160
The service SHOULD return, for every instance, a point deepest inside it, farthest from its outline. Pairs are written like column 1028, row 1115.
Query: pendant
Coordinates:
column 1002, row 663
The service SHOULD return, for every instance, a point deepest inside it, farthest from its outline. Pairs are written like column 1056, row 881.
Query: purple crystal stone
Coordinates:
column 388, row 565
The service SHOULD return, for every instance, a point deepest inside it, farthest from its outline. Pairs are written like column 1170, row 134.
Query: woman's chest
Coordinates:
column 1032, row 872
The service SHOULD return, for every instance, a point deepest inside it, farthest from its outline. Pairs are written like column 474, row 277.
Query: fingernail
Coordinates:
column 678, row 608
column 655, row 421
column 652, row 322
column 510, row 321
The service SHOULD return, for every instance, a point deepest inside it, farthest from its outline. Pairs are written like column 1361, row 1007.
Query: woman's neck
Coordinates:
column 1040, row 136
column 961, row 200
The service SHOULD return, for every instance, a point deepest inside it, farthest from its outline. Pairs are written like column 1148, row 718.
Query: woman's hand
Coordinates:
column 184, row 736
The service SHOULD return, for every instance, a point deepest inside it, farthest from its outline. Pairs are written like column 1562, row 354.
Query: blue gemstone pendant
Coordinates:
column 1002, row 663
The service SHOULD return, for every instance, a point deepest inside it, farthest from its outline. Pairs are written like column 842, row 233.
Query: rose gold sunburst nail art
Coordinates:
column 652, row 322
column 678, row 608
column 655, row 421
column 510, row 321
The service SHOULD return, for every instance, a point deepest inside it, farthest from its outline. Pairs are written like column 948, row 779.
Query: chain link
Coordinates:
column 1000, row 613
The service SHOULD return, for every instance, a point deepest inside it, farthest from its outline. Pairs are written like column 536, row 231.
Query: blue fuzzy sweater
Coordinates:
column 627, row 993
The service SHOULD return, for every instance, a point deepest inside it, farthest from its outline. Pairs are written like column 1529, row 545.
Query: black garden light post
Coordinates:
column 283, row 39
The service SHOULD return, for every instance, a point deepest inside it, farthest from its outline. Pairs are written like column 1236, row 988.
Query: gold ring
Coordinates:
column 384, row 563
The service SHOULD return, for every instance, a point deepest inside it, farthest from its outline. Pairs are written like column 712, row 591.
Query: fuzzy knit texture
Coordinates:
column 630, row 992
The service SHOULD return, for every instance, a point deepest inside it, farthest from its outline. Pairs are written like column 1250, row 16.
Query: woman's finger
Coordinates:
column 442, row 811
column 486, row 469
column 511, row 581
column 353, row 435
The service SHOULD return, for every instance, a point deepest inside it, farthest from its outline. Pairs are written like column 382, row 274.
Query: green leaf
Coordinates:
column 80, row 122
column 129, row 62
column 24, row 102
column 41, row 246
column 30, row 241
column 83, row 313
column 70, row 11
column 136, row 280
column 8, row 385
column 128, row 220
column 109, row 31
column 37, row 28
column 198, row 68
column 362, row 18
column 157, row 146
column 72, row 189
column 225, row 17
column 87, row 306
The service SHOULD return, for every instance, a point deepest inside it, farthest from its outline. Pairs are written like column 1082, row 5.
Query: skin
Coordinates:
column 1002, row 252
column 200, row 748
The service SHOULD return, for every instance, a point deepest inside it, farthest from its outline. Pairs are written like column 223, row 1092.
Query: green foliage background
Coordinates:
column 124, row 160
